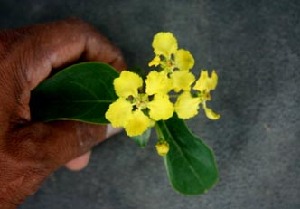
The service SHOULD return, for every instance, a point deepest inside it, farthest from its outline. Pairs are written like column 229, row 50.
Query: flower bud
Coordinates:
column 162, row 148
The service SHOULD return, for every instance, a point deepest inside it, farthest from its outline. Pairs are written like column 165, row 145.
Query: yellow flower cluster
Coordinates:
column 141, row 103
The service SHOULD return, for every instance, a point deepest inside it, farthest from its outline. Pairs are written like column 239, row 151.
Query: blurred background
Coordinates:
column 254, row 45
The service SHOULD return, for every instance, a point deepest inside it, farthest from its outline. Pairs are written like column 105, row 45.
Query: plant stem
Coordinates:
column 159, row 132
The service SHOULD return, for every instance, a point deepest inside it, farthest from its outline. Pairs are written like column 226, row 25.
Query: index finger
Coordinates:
column 55, row 45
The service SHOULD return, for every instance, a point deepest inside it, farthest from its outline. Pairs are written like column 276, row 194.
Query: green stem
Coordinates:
column 159, row 132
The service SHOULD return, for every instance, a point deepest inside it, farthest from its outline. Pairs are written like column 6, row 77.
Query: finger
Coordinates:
column 79, row 163
column 61, row 43
column 55, row 143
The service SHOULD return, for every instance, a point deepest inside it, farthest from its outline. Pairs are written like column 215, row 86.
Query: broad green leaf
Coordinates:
column 190, row 163
column 143, row 139
column 80, row 92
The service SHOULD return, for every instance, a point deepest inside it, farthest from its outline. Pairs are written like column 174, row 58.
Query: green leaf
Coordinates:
column 80, row 92
column 190, row 163
column 143, row 139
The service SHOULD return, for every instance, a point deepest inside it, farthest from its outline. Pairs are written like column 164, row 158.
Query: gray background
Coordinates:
column 253, row 45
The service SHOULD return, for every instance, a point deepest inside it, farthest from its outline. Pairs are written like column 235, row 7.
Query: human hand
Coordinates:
column 30, row 151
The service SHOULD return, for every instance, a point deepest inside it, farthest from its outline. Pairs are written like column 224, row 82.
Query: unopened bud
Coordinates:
column 162, row 148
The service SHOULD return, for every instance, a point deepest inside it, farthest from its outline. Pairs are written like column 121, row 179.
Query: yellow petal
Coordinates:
column 186, row 106
column 161, row 108
column 155, row 61
column 214, row 80
column 182, row 80
column 183, row 60
column 158, row 82
column 205, row 82
column 164, row 44
column 119, row 113
column 127, row 84
column 162, row 148
column 211, row 114
column 138, row 123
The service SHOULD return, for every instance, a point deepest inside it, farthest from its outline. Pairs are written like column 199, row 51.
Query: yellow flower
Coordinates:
column 137, row 110
column 182, row 80
column 186, row 106
column 162, row 148
column 204, row 85
column 164, row 45
column 168, row 56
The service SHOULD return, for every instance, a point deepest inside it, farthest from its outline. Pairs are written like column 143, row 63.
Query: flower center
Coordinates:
column 203, row 95
column 141, row 101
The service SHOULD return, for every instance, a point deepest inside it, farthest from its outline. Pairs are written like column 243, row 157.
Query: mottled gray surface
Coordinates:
column 253, row 45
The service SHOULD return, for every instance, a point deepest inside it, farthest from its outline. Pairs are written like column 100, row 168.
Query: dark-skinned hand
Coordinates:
column 30, row 151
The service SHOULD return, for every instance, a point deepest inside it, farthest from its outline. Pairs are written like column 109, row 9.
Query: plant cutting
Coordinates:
column 162, row 100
